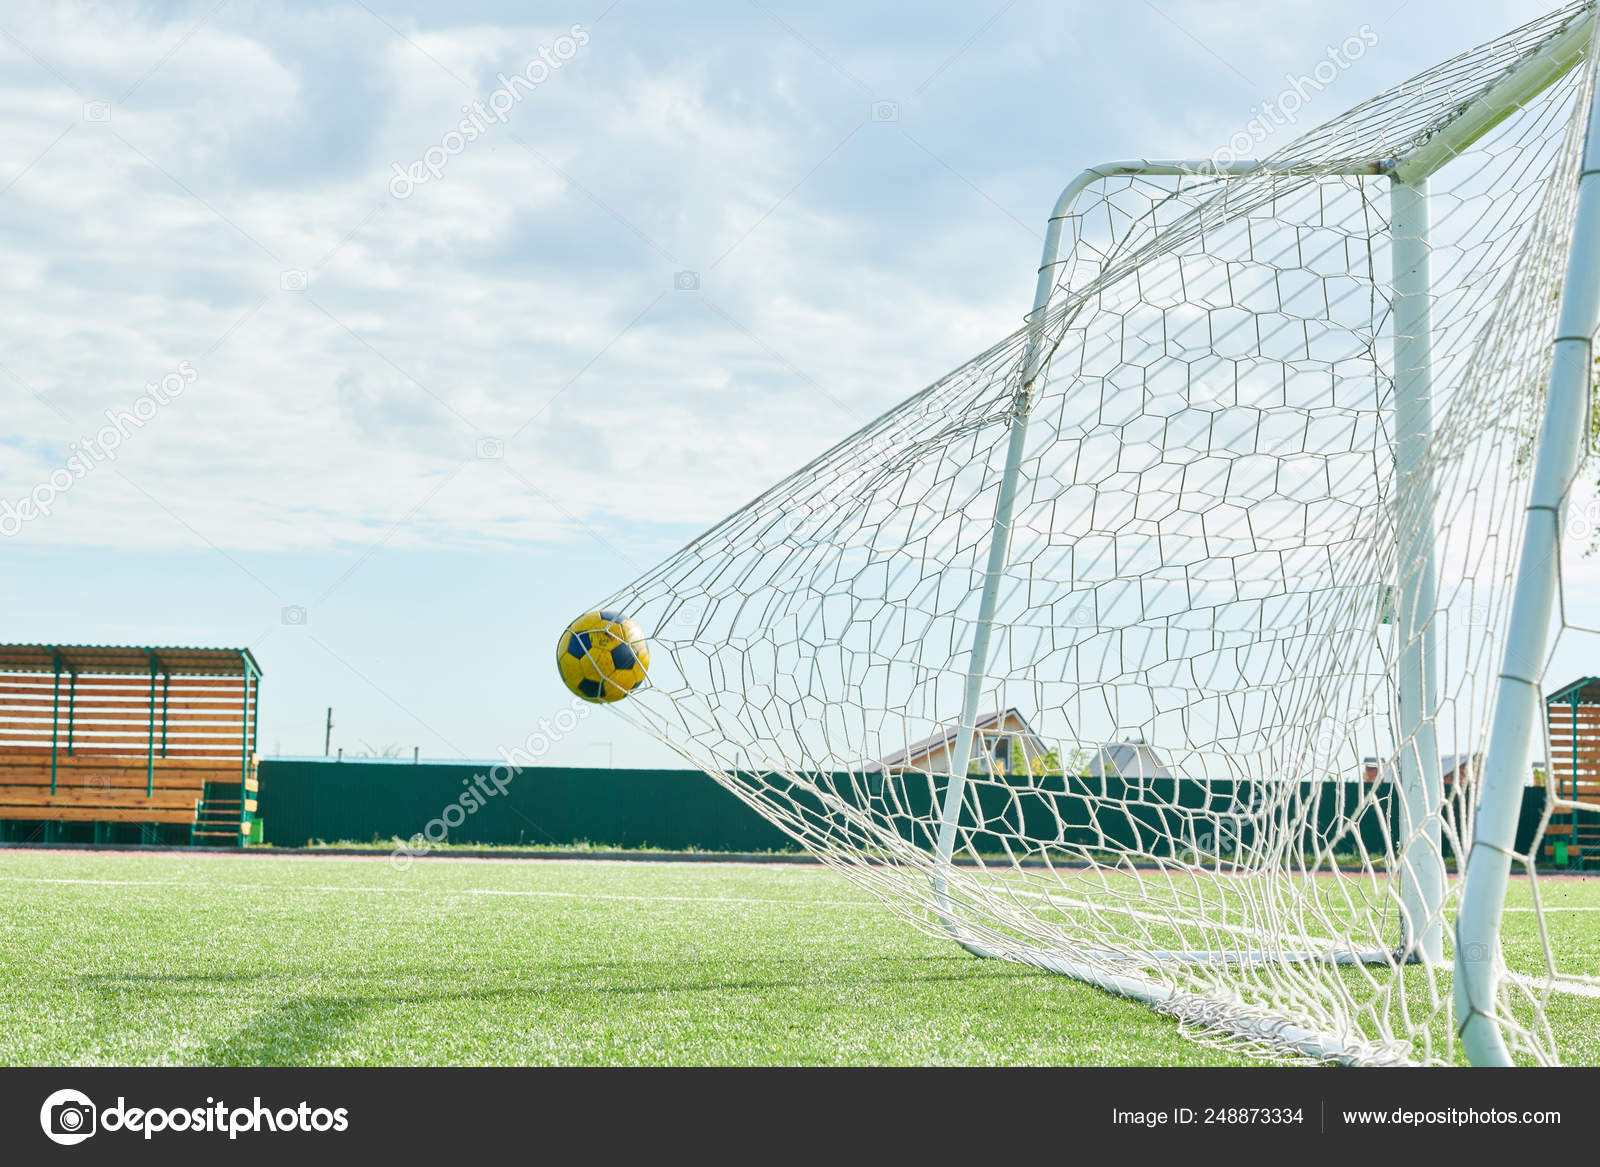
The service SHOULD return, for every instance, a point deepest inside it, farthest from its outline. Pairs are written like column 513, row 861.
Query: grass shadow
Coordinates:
column 294, row 1032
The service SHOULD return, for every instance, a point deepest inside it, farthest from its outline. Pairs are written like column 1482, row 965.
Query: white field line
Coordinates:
column 464, row 891
column 1076, row 902
column 1574, row 987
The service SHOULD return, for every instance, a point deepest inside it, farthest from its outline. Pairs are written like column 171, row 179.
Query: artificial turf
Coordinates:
column 172, row 958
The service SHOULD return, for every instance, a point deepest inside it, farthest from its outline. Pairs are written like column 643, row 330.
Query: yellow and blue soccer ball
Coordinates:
column 603, row 656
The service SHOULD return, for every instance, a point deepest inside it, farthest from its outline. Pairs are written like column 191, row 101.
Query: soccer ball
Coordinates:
column 603, row 656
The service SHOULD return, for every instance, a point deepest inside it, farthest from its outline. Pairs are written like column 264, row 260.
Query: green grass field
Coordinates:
column 165, row 958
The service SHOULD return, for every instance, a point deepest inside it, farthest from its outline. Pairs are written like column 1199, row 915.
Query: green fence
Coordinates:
column 302, row 801
column 305, row 800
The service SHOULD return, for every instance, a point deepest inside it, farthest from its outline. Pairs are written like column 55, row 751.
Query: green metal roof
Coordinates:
column 128, row 659
column 1585, row 689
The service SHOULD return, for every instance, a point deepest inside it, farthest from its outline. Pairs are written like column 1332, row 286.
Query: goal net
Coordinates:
column 1158, row 644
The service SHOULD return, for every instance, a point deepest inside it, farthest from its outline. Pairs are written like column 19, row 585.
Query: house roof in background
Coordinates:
column 1127, row 759
column 947, row 736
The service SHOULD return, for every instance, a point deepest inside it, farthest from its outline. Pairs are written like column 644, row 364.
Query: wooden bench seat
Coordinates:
column 103, row 782
column 97, row 814
column 90, row 796
column 100, row 794
column 127, row 790
column 123, row 772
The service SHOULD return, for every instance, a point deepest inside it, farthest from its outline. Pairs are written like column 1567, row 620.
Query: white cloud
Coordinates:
column 843, row 263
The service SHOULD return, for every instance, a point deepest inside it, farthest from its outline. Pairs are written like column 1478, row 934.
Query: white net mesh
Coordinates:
column 1184, row 752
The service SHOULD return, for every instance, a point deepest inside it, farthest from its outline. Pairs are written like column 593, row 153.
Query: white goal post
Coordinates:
column 1421, row 787
column 1519, row 701
column 1181, row 640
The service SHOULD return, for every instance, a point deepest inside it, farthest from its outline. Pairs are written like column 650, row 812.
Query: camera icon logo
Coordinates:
column 885, row 111
column 68, row 1117
column 293, row 280
column 491, row 449
column 686, row 281
column 295, row 615
column 97, row 111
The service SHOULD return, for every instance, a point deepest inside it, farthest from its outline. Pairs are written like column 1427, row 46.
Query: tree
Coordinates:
column 1049, row 763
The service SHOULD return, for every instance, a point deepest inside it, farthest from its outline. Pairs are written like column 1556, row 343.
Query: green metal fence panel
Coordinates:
column 301, row 801
column 305, row 800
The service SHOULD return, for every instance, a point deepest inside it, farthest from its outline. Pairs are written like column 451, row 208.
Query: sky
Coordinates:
column 419, row 399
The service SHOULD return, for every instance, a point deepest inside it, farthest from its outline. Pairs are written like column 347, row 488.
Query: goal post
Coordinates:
column 1420, row 781
column 1563, row 436
column 1132, row 649
column 1412, row 349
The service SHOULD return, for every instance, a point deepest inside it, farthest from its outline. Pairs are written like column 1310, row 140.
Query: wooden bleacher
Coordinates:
column 1573, row 714
column 98, row 740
